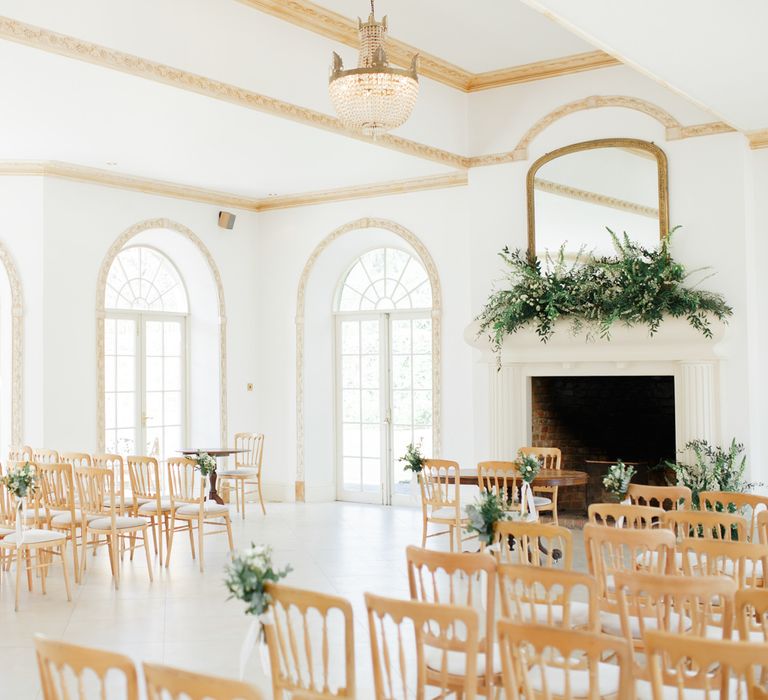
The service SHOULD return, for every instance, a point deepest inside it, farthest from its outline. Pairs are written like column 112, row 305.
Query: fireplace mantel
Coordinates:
column 675, row 341
column 676, row 350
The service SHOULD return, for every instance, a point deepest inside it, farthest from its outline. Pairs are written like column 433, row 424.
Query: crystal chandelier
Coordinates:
column 374, row 97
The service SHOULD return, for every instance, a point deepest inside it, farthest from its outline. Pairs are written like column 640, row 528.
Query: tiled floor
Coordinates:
column 184, row 618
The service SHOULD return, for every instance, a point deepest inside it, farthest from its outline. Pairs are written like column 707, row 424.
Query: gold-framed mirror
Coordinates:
column 576, row 191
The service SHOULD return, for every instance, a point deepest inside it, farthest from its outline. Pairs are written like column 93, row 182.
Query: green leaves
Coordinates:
column 20, row 481
column 205, row 463
column 617, row 479
column 637, row 286
column 484, row 514
column 247, row 574
column 414, row 460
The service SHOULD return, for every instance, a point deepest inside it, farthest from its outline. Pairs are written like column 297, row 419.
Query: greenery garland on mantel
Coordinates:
column 637, row 286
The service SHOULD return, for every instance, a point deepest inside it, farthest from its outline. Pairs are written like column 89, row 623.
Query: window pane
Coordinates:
column 369, row 341
column 350, row 337
column 172, row 413
column 401, row 337
column 350, row 441
column 126, row 367
column 154, row 408
column 351, row 473
column 154, row 337
column 370, row 371
column 422, row 335
column 126, row 337
column 422, row 371
column 401, row 372
column 110, row 332
column 172, row 374
column 154, row 369
column 172, row 338
column 351, row 405
column 370, row 406
column 350, row 372
column 126, row 410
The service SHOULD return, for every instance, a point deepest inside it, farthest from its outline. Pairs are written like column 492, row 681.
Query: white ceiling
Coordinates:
column 477, row 35
column 713, row 52
column 61, row 109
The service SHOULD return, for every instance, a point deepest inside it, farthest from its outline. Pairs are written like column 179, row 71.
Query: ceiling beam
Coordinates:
column 344, row 30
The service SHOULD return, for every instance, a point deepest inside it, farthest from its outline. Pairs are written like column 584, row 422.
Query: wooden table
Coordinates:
column 545, row 477
column 215, row 452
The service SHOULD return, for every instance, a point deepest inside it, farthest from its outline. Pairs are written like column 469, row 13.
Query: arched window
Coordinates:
column 385, row 279
column 142, row 279
column 384, row 373
column 145, row 351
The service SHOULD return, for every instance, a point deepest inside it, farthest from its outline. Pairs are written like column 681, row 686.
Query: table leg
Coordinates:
column 213, row 494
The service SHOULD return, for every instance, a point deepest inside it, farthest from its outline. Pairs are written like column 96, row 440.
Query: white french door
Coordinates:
column 384, row 402
column 145, row 383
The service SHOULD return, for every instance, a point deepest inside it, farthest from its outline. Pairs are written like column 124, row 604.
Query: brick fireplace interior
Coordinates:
column 601, row 419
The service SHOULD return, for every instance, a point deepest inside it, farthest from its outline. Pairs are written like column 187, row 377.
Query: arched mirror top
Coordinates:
column 576, row 192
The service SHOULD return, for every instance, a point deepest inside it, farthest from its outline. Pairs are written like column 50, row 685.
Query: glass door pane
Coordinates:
column 362, row 436
column 411, row 372
column 120, row 383
column 164, row 375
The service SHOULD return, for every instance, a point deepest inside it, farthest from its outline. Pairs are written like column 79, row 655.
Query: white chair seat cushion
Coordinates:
column 607, row 678
column 446, row 513
column 544, row 614
column 65, row 519
column 126, row 500
column 643, row 691
column 6, row 531
column 122, row 522
column 611, row 624
column 540, row 501
column 210, row 508
column 241, row 472
column 456, row 661
column 35, row 537
column 150, row 507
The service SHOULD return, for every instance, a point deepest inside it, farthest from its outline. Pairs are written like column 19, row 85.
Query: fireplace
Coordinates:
column 595, row 420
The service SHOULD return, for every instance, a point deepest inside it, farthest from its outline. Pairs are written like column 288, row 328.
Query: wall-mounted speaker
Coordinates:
column 226, row 220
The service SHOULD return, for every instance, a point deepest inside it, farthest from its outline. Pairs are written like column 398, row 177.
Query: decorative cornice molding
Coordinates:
column 108, row 178
column 336, row 27
column 758, row 139
column 708, row 129
column 603, row 200
column 82, row 50
column 457, row 179
column 541, row 70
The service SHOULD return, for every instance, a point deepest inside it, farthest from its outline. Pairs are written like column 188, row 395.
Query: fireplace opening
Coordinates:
column 596, row 420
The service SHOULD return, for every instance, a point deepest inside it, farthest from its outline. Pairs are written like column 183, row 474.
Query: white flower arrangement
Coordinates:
column 20, row 480
column 205, row 463
column 617, row 479
column 528, row 466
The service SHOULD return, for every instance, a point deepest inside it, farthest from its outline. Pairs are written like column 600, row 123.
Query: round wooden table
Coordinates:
column 545, row 477
column 215, row 452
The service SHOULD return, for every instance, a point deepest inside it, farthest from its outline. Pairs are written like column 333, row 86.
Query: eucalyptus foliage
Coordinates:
column 636, row 286
column 20, row 480
column 414, row 460
column 528, row 466
column 617, row 479
column 484, row 514
column 247, row 574
column 715, row 469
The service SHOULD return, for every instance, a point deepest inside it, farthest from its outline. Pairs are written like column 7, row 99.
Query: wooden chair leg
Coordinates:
column 200, row 534
column 261, row 498
column 114, row 544
column 159, row 532
column 73, row 535
column 146, row 552
column 191, row 537
column 84, row 553
column 19, row 560
column 28, row 559
column 63, row 553
column 170, row 542
column 242, row 492
column 229, row 532
column 424, row 533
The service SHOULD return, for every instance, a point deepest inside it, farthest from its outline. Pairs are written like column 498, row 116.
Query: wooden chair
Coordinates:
column 700, row 606
column 533, row 543
column 744, row 562
column 165, row 683
column 57, row 486
column 247, row 469
column 611, row 550
column 713, row 667
column 41, row 455
column 405, row 634
column 500, row 478
column 188, row 504
column 752, row 614
column 99, row 505
column 7, row 524
column 545, row 596
column 68, row 671
column 624, row 515
column 441, row 500
column 706, row 524
column 666, row 497
column 467, row 579
column 20, row 453
column 550, row 458
column 545, row 663
column 43, row 545
column 125, row 499
column 749, row 505
column 305, row 625
column 146, row 490
column 75, row 459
